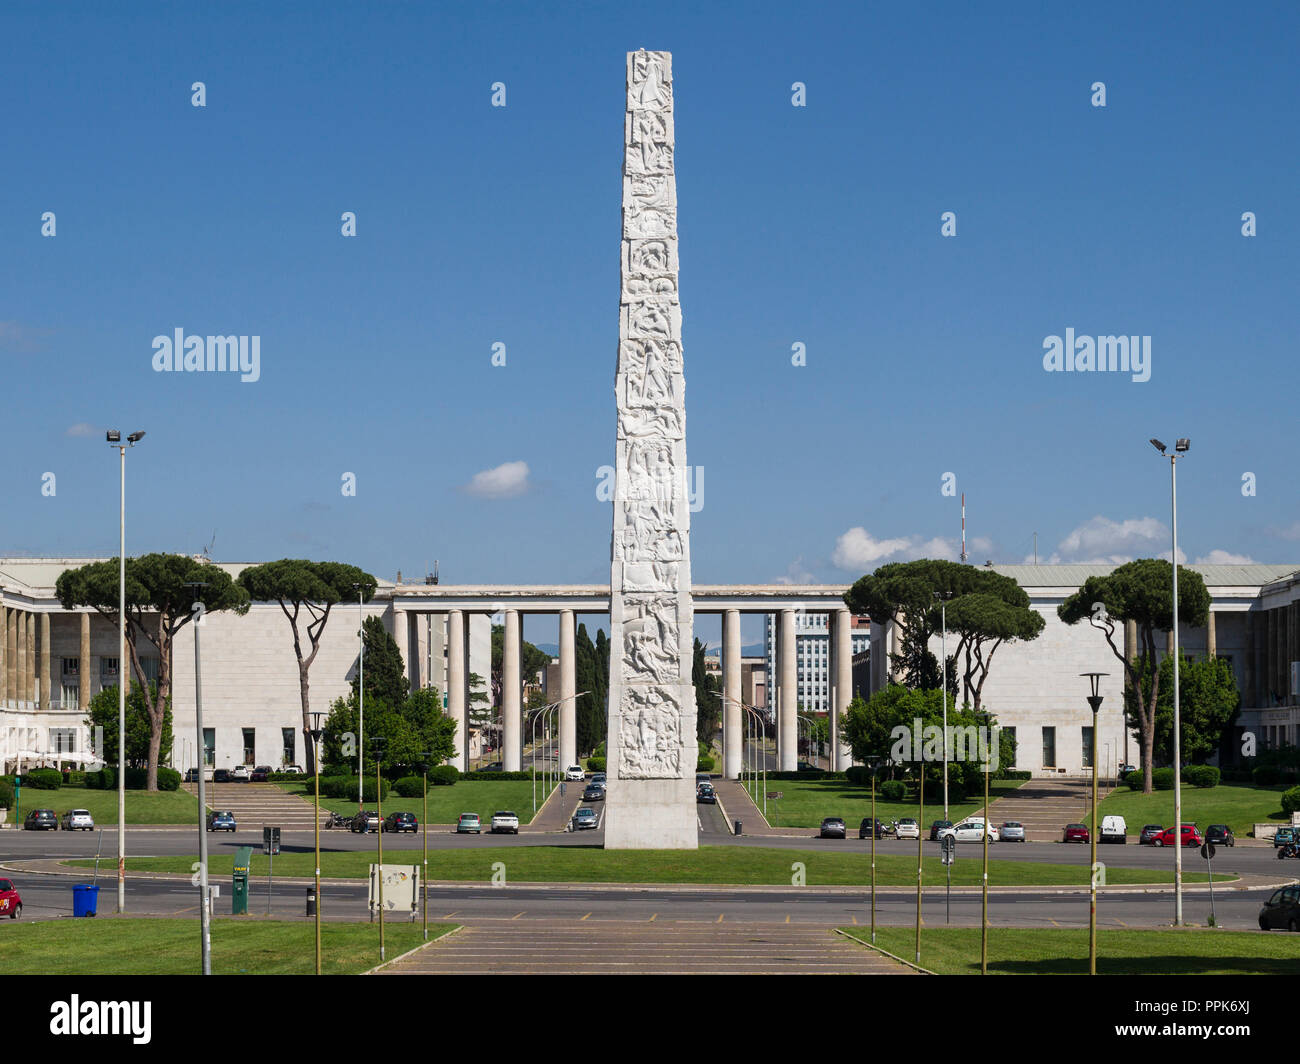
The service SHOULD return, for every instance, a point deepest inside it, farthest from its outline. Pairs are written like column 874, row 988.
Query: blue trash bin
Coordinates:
column 85, row 899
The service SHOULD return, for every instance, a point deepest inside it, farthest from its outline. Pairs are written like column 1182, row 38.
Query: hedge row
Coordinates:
column 346, row 787
column 136, row 779
column 1268, row 776
column 597, row 764
column 1202, row 776
column 43, row 779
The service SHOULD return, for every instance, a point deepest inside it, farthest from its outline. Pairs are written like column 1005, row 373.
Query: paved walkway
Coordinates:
column 737, row 805
column 558, row 810
column 619, row 947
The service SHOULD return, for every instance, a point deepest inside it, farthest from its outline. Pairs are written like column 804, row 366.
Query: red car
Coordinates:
column 1076, row 833
column 11, row 904
column 1191, row 837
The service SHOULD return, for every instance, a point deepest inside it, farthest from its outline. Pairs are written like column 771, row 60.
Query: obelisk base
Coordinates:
column 651, row 815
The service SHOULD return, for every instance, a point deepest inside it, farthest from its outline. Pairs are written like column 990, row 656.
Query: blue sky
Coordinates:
column 817, row 225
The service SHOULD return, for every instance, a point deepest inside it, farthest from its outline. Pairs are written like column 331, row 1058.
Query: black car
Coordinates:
column 401, row 822
column 832, row 828
column 221, row 775
column 1148, row 834
column 1220, row 835
column 938, row 826
column 593, row 792
column 41, row 820
column 706, row 794
column 1282, row 910
column 864, row 829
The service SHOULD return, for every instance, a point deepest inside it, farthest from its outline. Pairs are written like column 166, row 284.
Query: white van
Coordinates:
column 1113, row 829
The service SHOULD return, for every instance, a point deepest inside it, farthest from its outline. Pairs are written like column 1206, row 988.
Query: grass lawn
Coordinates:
column 708, row 864
column 483, row 797
column 240, row 945
column 805, row 803
column 1239, row 805
column 142, row 807
column 1064, row 951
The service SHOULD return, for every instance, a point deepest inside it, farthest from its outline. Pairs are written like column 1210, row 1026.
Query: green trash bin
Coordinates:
column 239, row 890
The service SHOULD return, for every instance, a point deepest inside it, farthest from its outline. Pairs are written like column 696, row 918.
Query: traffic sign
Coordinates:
column 1207, row 850
column 949, row 849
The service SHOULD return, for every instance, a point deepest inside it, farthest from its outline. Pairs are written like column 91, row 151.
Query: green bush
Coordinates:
column 1203, row 776
column 1162, row 779
column 168, row 779
column 1266, row 776
column 1014, row 774
column 597, row 764
column 346, row 787
column 704, row 764
column 893, row 790
column 76, row 778
column 1133, row 781
column 1291, row 801
column 447, row 775
column 6, row 793
column 481, row 776
column 43, row 779
column 409, row 787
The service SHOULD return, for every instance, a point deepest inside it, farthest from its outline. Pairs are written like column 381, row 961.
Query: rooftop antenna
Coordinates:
column 963, row 528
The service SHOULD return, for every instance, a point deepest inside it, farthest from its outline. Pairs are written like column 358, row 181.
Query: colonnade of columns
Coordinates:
column 25, row 660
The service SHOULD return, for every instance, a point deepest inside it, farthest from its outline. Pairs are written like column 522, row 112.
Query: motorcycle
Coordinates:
column 1289, row 849
column 337, row 820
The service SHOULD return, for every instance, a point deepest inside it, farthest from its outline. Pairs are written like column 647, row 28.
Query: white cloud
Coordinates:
column 1292, row 531
column 502, row 482
column 82, row 428
column 795, row 573
column 857, row 550
column 1223, row 557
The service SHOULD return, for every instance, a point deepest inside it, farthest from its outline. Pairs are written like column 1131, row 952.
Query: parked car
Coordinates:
column 365, row 821
column 221, row 821
column 865, row 832
column 503, row 820
column 221, row 775
column 469, row 824
column 1282, row 910
column 706, row 794
column 11, row 902
column 585, row 818
column 241, row 774
column 574, row 772
column 78, row 820
column 968, row 831
column 1148, row 834
column 593, row 792
column 401, row 822
column 41, row 820
column 261, row 774
column 600, row 777
column 1220, row 835
column 938, row 826
column 1284, row 837
column 1191, row 837
column 192, row 775
column 293, row 770
column 702, row 777
column 907, row 828
column 832, row 828
column 1113, row 829
column 1011, row 831
column 1076, row 833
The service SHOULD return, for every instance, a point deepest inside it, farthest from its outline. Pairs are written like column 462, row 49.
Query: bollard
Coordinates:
column 737, row 827
column 311, row 901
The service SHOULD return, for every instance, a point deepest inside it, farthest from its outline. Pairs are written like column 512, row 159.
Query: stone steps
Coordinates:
column 1045, row 806
column 259, row 804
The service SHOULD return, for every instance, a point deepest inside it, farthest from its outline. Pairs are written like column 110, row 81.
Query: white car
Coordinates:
column 574, row 772
column 907, row 829
column 242, row 773
column 969, row 831
column 295, row 770
column 78, row 820
column 505, row 821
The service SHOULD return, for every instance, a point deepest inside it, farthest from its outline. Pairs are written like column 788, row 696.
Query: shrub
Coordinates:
column 485, row 776
column 43, row 779
column 1133, row 781
column 168, row 779
column 6, row 793
column 346, row 787
column 1265, row 776
column 597, row 764
column 1203, row 776
column 703, row 764
column 409, row 787
column 1014, row 774
column 858, row 775
column 1162, row 779
column 893, row 790
column 76, row 778
column 446, row 775
column 1291, row 801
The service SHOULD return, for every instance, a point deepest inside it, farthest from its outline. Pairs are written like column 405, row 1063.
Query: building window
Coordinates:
column 63, row 740
column 209, row 746
column 1049, row 747
column 1011, row 732
column 107, row 672
column 150, row 667
column 250, row 746
column 1087, row 747
column 287, row 740
column 70, row 693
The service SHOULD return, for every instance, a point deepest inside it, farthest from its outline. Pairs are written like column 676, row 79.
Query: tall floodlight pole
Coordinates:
column 379, row 742
column 920, row 819
column 1094, row 701
column 943, row 671
column 1181, row 446
column 426, row 756
column 361, row 703
column 205, row 915
column 315, row 735
column 984, row 905
column 114, row 437
column 873, row 763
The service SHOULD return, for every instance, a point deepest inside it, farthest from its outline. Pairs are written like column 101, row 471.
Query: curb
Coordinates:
column 423, row 945
column 870, row 945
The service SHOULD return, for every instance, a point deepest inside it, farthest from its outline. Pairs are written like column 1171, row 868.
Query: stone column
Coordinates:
column 402, row 637
column 26, row 682
column 787, row 693
column 511, row 692
column 45, row 662
column 1211, row 637
column 83, row 666
column 733, row 715
column 6, row 655
column 568, row 688
column 456, row 685
column 842, row 623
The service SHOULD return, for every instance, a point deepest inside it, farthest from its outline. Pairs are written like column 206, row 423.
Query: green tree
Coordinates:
column 588, row 711
column 385, row 672
column 1207, row 705
column 982, row 621
column 418, row 724
column 531, row 661
column 102, row 713
column 478, row 707
column 1142, row 592
column 158, row 605
column 708, row 697
column 310, row 588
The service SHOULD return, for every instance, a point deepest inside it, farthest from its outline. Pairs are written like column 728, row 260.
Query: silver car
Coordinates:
column 585, row 818
column 1011, row 831
column 78, row 820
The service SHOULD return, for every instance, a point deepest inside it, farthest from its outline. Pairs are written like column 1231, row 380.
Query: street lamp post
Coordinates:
column 544, row 715
column 425, row 757
column 378, row 743
column 920, row 835
column 361, row 703
column 943, row 672
column 873, row 763
column 205, row 914
column 1094, row 701
column 315, row 734
column 752, row 713
column 114, row 437
column 1181, row 446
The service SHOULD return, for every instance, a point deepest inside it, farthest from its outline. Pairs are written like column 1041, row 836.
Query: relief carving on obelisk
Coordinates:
column 652, row 711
